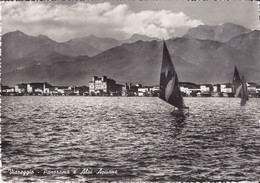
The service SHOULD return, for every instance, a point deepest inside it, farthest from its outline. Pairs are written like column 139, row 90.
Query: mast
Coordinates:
column 169, row 82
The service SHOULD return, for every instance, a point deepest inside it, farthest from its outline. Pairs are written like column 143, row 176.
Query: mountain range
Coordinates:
column 222, row 33
column 205, row 54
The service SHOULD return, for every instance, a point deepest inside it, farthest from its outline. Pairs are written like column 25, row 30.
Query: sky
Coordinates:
column 62, row 21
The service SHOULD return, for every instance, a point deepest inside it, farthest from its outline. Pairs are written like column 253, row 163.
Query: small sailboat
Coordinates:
column 240, row 87
column 169, row 84
column 244, row 93
column 236, row 84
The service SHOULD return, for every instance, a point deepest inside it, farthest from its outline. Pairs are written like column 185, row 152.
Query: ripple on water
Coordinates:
column 139, row 137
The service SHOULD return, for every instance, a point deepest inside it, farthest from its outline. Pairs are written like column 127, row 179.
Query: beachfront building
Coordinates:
column 61, row 90
column 251, row 87
column 227, row 90
column 129, row 89
column 103, row 86
column 44, row 89
column 216, row 88
column 216, row 92
column 155, row 90
column 143, row 91
column 6, row 90
column 185, row 90
column 258, row 91
column 81, row 90
column 150, row 91
column 20, row 88
column 38, row 88
column 117, row 90
column 206, row 88
column 189, row 89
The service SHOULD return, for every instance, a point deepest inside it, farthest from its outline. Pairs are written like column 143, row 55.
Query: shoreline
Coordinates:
column 112, row 96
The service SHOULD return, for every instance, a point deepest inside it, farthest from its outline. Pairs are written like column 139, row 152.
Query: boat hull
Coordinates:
column 180, row 113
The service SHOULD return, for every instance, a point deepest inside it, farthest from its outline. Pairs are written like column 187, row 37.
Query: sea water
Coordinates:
column 128, row 139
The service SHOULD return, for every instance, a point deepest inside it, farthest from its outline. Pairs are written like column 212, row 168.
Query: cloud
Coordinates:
column 157, row 23
column 63, row 21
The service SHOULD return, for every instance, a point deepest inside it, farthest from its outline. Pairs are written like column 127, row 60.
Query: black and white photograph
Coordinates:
column 130, row 91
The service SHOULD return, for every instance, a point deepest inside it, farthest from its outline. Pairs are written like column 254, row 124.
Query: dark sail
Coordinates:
column 243, row 92
column 169, row 83
column 237, row 83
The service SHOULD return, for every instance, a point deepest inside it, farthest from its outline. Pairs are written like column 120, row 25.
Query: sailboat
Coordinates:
column 240, row 87
column 169, row 84
column 244, row 92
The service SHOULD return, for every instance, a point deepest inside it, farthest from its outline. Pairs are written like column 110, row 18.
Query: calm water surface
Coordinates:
column 136, row 139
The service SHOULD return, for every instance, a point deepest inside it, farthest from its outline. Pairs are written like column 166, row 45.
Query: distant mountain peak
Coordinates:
column 255, row 33
column 222, row 33
column 231, row 24
column 139, row 37
column 17, row 32
column 136, row 35
column 92, row 36
column 41, row 36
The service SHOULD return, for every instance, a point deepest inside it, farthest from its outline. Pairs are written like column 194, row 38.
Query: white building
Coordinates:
column 143, row 91
column 216, row 88
column 206, row 88
column 103, row 86
column 63, row 90
column 251, row 87
column 155, row 89
column 226, row 88
column 20, row 88
column 38, row 88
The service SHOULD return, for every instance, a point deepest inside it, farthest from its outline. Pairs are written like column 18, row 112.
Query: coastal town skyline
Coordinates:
column 105, row 86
